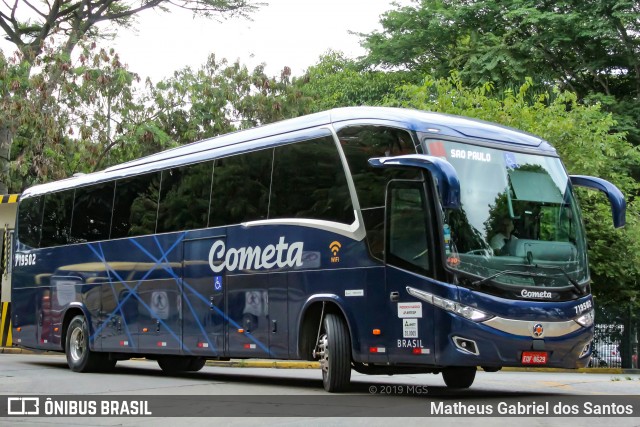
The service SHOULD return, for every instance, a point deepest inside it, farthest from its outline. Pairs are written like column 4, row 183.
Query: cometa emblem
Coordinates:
column 538, row 330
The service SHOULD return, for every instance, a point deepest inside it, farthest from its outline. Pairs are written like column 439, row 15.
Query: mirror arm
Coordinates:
column 446, row 176
column 615, row 196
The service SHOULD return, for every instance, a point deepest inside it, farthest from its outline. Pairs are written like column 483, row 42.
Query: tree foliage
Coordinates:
column 220, row 97
column 338, row 81
column 73, row 126
column 589, row 47
column 45, row 34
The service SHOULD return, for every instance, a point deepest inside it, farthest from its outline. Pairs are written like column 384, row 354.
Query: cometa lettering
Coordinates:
column 535, row 294
column 247, row 258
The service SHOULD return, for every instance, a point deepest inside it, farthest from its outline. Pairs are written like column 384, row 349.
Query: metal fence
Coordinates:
column 606, row 346
column 615, row 342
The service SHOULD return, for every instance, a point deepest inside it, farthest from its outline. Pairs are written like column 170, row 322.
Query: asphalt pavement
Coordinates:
column 302, row 364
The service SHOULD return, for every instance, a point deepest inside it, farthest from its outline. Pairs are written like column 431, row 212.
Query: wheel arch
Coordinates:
column 309, row 320
column 73, row 310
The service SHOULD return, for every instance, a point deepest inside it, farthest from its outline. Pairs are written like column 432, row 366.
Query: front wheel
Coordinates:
column 334, row 349
column 196, row 364
column 177, row 364
column 459, row 377
column 79, row 357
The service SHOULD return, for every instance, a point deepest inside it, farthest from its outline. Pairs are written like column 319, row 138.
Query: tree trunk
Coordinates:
column 6, row 138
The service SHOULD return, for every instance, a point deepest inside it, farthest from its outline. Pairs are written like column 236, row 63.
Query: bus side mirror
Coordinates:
column 615, row 196
column 446, row 176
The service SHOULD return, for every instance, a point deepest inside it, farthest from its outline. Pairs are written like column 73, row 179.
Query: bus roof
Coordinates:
column 417, row 120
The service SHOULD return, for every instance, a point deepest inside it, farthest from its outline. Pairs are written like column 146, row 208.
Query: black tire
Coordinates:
column 79, row 357
column 335, row 354
column 196, row 364
column 177, row 364
column 106, row 364
column 459, row 377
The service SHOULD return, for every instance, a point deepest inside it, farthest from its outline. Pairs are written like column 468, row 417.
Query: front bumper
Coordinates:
column 501, row 342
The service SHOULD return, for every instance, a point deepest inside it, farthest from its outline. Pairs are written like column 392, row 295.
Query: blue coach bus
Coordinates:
column 382, row 240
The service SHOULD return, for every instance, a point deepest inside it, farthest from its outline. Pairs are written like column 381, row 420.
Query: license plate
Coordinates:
column 534, row 357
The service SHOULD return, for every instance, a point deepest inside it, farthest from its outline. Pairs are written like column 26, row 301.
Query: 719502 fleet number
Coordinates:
column 25, row 259
column 581, row 308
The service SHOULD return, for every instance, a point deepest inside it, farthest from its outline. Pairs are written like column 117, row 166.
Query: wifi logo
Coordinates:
column 335, row 248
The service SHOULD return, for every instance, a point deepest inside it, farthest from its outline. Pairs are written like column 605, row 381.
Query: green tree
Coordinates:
column 338, row 81
column 220, row 97
column 591, row 48
column 47, row 32
column 75, row 127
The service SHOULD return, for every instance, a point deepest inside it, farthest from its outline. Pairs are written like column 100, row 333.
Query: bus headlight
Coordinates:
column 586, row 319
column 451, row 306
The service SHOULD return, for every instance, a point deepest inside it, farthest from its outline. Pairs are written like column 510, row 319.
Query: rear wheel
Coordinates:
column 459, row 377
column 334, row 349
column 79, row 357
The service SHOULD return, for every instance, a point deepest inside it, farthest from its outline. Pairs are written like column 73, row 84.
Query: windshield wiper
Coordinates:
column 502, row 273
column 562, row 270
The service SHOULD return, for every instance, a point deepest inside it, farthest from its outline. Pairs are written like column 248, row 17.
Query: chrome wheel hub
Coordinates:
column 323, row 352
column 77, row 344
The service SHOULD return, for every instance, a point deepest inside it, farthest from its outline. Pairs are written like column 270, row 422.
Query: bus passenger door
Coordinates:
column 204, row 323
column 409, row 257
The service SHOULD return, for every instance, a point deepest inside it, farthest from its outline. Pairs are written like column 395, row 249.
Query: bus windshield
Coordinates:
column 519, row 225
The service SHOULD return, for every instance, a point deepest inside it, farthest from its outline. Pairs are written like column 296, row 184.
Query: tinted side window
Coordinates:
column 136, row 206
column 92, row 213
column 184, row 198
column 309, row 182
column 241, row 188
column 408, row 233
column 30, row 221
column 360, row 143
column 56, row 219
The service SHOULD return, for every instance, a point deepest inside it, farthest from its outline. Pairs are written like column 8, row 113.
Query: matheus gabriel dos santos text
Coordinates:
column 532, row 408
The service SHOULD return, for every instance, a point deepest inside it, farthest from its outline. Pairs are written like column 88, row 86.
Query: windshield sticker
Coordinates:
column 244, row 258
column 470, row 155
column 409, row 310
column 510, row 161
column 437, row 149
